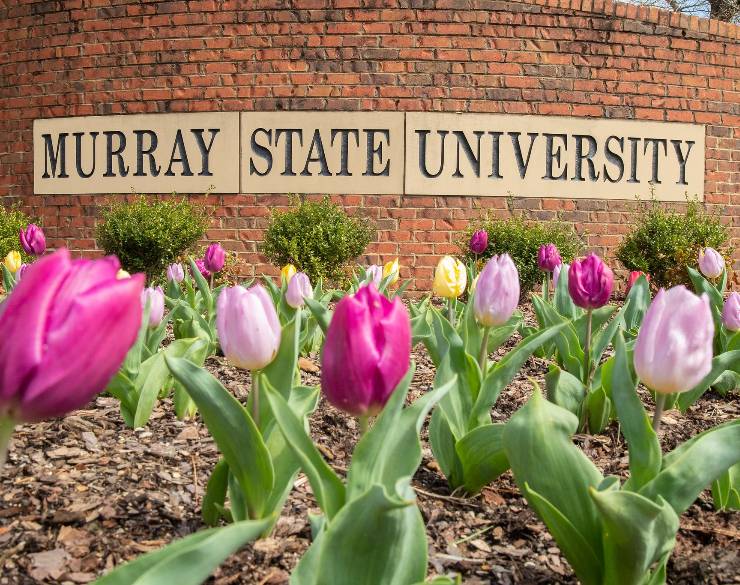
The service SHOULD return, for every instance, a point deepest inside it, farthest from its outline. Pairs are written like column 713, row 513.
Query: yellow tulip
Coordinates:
column 121, row 274
column 391, row 268
column 13, row 261
column 287, row 272
column 450, row 278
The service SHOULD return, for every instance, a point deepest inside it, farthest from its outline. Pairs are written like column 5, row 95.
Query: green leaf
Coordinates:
column 203, row 287
column 562, row 300
column 188, row 561
column 443, row 448
column 564, row 389
column 213, row 500
column 599, row 317
column 604, row 337
column 234, row 431
column 320, row 313
column 726, row 489
column 482, row 456
column 599, row 410
column 639, row 301
column 730, row 360
column 569, row 347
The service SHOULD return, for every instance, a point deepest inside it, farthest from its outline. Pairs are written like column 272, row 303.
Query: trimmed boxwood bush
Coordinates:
column 318, row 237
column 521, row 239
column 148, row 235
column 664, row 242
column 12, row 221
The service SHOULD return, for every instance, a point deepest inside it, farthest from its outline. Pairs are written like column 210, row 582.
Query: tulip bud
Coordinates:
column 590, row 282
column 155, row 298
column 556, row 273
column 121, row 274
column 391, row 268
column 479, row 242
column 21, row 271
column 287, row 272
column 201, row 266
column 496, row 292
column 32, row 240
column 731, row 312
column 13, row 261
column 374, row 272
column 634, row 275
column 248, row 327
column 214, row 258
column 299, row 288
column 64, row 332
column 548, row 257
column 175, row 272
column 711, row 263
column 450, row 278
column 673, row 351
column 366, row 353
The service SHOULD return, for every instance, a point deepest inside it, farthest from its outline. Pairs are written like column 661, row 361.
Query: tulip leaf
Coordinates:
column 726, row 382
column 730, row 360
column 567, row 342
column 599, row 410
column 733, row 343
column 327, row 487
column 8, row 279
column 564, row 389
column 202, row 284
column 320, row 313
column 599, row 318
column 213, row 499
column 604, row 337
column 188, row 561
column 639, row 301
column 443, row 448
column 155, row 336
column 500, row 335
column 234, row 431
column 482, row 456
column 726, row 489
column 562, row 300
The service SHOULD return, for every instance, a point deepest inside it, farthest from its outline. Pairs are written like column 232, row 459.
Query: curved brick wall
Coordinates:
column 557, row 57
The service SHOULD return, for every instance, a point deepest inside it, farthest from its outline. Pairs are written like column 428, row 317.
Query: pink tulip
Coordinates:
column 673, row 351
column 64, row 332
column 214, row 258
column 590, row 282
column 548, row 257
column 175, row 273
column 299, row 288
column 201, row 265
column 496, row 292
column 32, row 240
column 248, row 326
column 711, row 263
column 479, row 242
column 367, row 351
column 634, row 275
column 155, row 298
column 374, row 273
column 556, row 273
column 731, row 312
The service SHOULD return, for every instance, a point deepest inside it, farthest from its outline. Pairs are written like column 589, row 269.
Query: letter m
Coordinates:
column 53, row 156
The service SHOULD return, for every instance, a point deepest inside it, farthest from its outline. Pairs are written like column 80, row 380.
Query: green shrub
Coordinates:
column 522, row 239
column 12, row 221
column 148, row 235
column 318, row 237
column 664, row 242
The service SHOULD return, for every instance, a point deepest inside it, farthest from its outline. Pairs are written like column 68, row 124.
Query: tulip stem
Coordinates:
column 483, row 354
column 211, row 281
column 364, row 424
column 256, row 398
column 547, row 289
column 7, row 425
column 587, row 369
column 451, row 311
column 660, row 399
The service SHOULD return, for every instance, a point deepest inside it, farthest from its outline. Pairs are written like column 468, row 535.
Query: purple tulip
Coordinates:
column 374, row 273
column 711, row 263
column 155, row 297
column 548, row 257
column 214, row 258
column 248, row 326
column 497, row 292
column 731, row 312
column 479, row 242
column 366, row 353
column 175, row 272
column 21, row 271
column 201, row 265
column 299, row 288
column 590, row 282
column 33, row 240
column 64, row 332
column 556, row 273
column 673, row 351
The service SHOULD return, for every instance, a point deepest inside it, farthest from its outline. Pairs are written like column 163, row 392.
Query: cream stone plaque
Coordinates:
column 552, row 156
column 322, row 152
column 147, row 153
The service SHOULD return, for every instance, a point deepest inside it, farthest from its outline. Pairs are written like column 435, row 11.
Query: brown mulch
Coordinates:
column 81, row 494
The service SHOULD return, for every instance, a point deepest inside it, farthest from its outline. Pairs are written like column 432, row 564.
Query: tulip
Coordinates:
column 175, row 272
column 479, row 242
column 21, row 271
column 634, row 275
column 13, row 261
column 374, row 273
column 155, row 298
column 731, row 312
column 556, row 273
column 201, row 266
column 64, row 332
column 214, row 258
column 711, row 263
column 366, row 353
column 497, row 292
column 673, row 352
column 590, row 282
column 548, row 257
column 450, row 278
column 32, row 240
column 391, row 269
column 287, row 272
column 122, row 274
column 299, row 288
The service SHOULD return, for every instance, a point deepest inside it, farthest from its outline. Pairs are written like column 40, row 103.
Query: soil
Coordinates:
column 82, row 494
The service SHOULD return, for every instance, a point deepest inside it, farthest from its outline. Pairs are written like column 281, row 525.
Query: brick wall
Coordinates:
column 587, row 58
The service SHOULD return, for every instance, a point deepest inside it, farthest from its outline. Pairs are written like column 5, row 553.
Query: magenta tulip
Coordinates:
column 711, row 263
column 214, row 258
column 155, row 298
column 299, row 288
column 64, row 332
column 248, row 326
column 175, row 272
column 731, row 312
column 201, row 265
column 366, row 353
column 479, row 242
column 590, row 282
column 496, row 292
column 548, row 257
column 32, row 240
